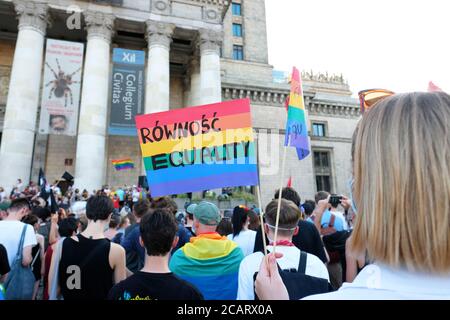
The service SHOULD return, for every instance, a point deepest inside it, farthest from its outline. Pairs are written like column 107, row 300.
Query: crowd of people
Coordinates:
column 388, row 239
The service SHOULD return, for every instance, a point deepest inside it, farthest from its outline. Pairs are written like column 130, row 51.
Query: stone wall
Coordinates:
column 122, row 148
column 255, row 33
column 246, row 73
column 176, row 92
column 338, row 140
column 59, row 148
column 6, row 60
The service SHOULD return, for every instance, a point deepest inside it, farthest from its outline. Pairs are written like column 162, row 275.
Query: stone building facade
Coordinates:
column 197, row 52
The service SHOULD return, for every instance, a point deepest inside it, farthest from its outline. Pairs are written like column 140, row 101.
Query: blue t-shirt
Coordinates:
column 131, row 243
column 338, row 223
column 120, row 193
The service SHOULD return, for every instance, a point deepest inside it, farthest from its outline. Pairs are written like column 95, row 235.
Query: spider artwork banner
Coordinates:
column 61, row 87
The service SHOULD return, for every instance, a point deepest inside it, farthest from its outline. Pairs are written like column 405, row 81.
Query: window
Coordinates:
column 237, row 9
column 322, row 169
column 237, row 30
column 238, row 52
column 323, row 183
column 319, row 129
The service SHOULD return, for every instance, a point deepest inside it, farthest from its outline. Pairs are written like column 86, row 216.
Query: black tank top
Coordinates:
column 36, row 267
column 91, row 258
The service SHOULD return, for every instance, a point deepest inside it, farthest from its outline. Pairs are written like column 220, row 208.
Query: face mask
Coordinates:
column 193, row 229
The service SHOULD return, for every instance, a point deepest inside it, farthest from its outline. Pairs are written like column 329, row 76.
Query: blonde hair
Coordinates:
column 402, row 182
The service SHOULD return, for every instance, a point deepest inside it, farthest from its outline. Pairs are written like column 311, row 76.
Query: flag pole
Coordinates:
column 261, row 214
column 283, row 165
column 258, row 194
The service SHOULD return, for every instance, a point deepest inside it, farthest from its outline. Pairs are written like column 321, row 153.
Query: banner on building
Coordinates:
column 200, row 148
column 61, row 87
column 127, row 94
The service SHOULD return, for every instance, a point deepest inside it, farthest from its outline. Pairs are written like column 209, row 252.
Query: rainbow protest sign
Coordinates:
column 296, row 128
column 199, row 148
column 123, row 164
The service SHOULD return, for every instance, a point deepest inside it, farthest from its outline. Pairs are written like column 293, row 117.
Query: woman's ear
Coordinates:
column 296, row 231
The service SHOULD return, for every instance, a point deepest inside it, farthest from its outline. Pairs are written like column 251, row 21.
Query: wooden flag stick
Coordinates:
column 261, row 214
column 283, row 165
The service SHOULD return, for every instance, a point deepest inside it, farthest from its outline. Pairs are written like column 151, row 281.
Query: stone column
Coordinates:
column 210, row 79
column 91, row 144
column 194, row 81
column 159, row 37
column 19, row 129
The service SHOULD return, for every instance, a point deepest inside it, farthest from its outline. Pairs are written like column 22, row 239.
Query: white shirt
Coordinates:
column 20, row 187
column 245, row 240
column 291, row 257
column 135, row 196
column 379, row 282
column 10, row 233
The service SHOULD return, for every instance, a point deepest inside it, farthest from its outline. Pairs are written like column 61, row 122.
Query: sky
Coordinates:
column 398, row 45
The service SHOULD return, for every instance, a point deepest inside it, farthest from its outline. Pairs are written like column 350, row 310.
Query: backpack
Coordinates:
column 298, row 284
column 330, row 229
column 20, row 282
column 335, row 245
column 117, row 238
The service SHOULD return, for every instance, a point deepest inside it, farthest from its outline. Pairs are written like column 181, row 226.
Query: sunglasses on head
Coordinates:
column 368, row 98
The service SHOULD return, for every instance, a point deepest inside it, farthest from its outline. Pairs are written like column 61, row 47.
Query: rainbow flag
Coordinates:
column 296, row 127
column 211, row 263
column 199, row 148
column 123, row 164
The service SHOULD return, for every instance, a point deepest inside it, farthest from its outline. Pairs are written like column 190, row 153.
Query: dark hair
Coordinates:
column 289, row 193
column 321, row 195
column 131, row 217
column 165, row 203
column 141, row 208
column 19, row 204
column 334, row 204
column 30, row 219
column 83, row 222
column 158, row 230
column 66, row 227
column 240, row 216
column 41, row 213
column 255, row 222
column 309, row 207
column 99, row 208
column 115, row 221
column 225, row 227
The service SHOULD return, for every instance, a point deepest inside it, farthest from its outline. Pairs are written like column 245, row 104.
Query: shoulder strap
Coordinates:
column 37, row 255
column 302, row 262
column 332, row 220
column 22, row 239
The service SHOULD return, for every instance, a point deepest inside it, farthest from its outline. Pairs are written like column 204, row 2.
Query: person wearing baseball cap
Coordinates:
column 190, row 218
column 4, row 206
column 209, row 261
